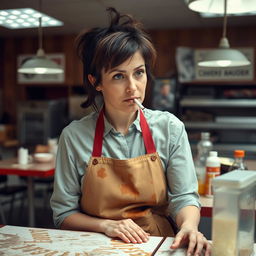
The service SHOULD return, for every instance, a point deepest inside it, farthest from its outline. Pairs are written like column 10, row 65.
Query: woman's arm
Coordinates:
column 126, row 229
column 184, row 199
column 188, row 216
column 187, row 220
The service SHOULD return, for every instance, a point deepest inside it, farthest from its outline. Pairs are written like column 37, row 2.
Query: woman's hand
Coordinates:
column 194, row 239
column 126, row 229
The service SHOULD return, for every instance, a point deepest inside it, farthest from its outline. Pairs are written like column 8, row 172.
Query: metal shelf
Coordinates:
column 199, row 102
column 229, row 147
column 219, row 126
column 226, row 150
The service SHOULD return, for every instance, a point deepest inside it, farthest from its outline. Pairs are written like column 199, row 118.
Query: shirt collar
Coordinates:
column 137, row 122
column 108, row 127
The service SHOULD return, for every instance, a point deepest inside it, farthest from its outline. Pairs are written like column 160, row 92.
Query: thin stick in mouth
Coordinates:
column 139, row 104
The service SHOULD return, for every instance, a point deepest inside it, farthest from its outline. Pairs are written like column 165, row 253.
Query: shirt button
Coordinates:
column 95, row 161
column 153, row 158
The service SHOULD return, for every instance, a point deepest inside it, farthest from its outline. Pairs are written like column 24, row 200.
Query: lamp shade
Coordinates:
column 40, row 64
column 216, row 6
column 224, row 57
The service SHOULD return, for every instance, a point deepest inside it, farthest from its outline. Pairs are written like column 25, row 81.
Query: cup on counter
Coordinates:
column 53, row 146
column 23, row 156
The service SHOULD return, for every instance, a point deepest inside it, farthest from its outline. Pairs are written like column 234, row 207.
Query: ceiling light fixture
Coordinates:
column 209, row 15
column 40, row 64
column 224, row 56
column 215, row 6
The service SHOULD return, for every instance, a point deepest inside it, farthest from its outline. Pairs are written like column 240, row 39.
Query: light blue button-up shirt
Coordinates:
column 75, row 149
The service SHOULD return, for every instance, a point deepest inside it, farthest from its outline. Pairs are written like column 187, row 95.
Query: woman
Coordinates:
column 120, row 170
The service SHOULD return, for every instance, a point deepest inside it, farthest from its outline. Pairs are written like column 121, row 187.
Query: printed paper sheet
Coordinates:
column 164, row 249
column 17, row 241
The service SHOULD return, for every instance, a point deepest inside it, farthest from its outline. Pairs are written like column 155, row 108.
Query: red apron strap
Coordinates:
column 98, row 136
column 147, row 136
column 99, row 131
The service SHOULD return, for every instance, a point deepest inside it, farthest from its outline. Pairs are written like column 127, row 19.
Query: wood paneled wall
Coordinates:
column 165, row 42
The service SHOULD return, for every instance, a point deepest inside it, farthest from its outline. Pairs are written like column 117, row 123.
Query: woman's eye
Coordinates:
column 140, row 72
column 118, row 76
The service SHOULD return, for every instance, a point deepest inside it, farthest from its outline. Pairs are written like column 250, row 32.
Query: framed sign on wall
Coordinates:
column 59, row 58
column 185, row 62
column 244, row 73
column 188, row 70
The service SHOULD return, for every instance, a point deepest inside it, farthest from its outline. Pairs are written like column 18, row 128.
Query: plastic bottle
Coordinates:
column 204, row 146
column 212, row 171
column 238, row 163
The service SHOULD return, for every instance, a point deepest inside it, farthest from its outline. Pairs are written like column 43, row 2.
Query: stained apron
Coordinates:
column 133, row 188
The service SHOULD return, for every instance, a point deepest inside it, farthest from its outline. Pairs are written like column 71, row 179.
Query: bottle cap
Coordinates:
column 213, row 153
column 239, row 153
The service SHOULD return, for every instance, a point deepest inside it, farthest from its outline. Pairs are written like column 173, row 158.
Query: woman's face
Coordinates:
column 122, row 84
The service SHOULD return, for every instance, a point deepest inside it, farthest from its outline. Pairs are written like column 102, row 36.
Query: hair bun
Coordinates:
column 124, row 20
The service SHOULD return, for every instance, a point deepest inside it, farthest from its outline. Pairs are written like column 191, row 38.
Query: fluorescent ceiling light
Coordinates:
column 26, row 18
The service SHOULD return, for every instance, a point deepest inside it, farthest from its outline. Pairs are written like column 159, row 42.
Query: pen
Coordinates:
column 139, row 104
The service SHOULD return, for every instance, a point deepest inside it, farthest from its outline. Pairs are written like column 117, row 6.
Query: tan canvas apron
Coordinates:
column 133, row 188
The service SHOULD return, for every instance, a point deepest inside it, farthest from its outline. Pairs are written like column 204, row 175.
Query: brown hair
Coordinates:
column 106, row 48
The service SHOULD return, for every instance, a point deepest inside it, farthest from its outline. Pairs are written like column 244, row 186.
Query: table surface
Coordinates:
column 11, row 167
column 26, row 241
column 206, row 201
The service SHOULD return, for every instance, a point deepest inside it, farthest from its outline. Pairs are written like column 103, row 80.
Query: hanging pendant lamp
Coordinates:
column 224, row 56
column 215, row 6
column 40, row 64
